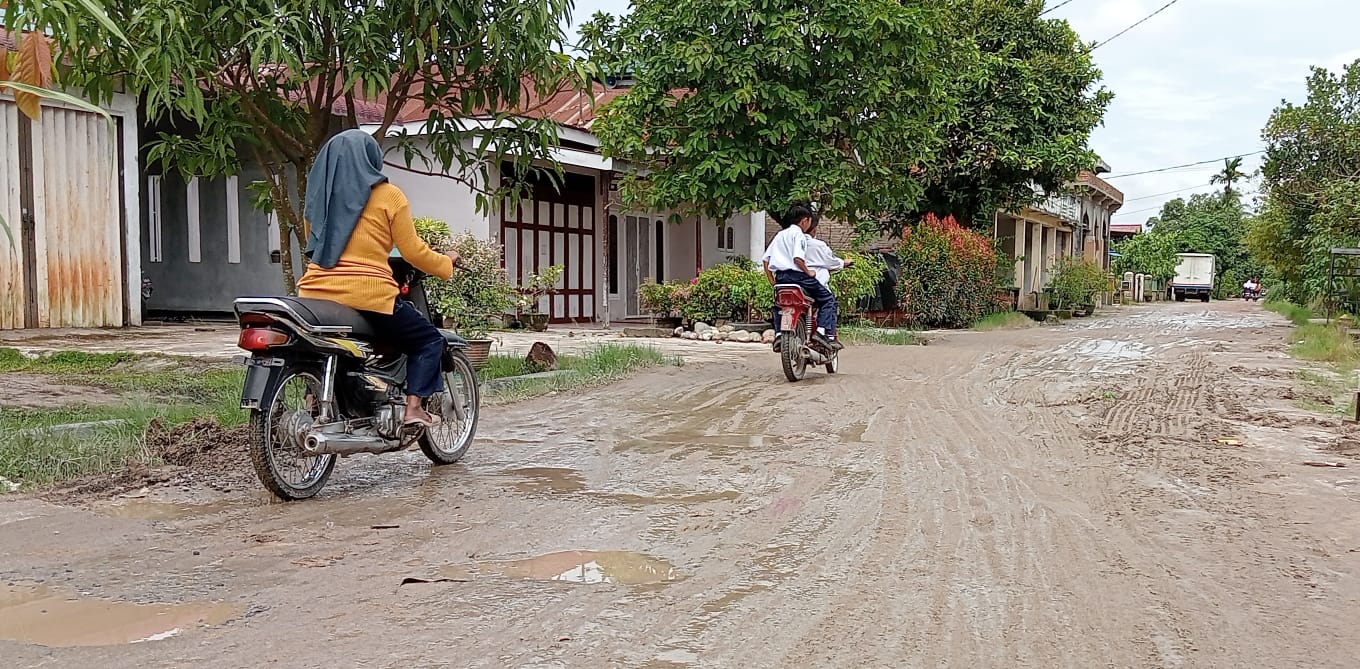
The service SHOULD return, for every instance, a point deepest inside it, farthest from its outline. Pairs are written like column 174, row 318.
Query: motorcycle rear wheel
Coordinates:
column 833, row 364
column 274, row 452
column 791, row 355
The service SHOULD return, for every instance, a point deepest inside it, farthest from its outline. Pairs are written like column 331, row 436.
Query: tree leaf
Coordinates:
column 38, row 92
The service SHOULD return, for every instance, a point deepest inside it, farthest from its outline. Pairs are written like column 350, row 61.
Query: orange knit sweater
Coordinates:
column 363, row 279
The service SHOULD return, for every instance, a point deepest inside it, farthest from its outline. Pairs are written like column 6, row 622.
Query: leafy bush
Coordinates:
column 539, row 286
column 1076, row 282
column 729, row 290
column 950, row 275
column 479, row 291
column 858, row 281
column 665, row 300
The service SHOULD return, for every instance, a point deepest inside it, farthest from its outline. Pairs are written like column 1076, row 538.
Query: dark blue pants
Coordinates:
column 418, row 338
column 821, row 296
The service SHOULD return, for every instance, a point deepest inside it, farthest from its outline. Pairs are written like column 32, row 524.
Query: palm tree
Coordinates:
column 1231, row 174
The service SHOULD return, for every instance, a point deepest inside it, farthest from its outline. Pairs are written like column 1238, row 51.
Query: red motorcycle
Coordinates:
column 797, row 321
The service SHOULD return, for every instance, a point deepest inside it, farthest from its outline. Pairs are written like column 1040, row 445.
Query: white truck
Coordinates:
column 1194, row 277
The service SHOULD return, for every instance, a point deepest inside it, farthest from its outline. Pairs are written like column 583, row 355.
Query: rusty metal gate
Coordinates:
column 64, row 262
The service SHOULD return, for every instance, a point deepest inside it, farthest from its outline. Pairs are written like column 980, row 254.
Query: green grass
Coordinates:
column 1296, row 314
column 143, row 388
column 1004, row 320
column 1321, row 342
column 855, row 335
column 600, row 365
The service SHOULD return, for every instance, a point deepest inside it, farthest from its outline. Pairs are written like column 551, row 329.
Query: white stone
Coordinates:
column 707, row 335
column 726, row 328
column 678, row 332
column 701, row 327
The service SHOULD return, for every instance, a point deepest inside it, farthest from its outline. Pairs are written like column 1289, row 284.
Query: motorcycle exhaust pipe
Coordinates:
column 345, row 444
column 814, row 357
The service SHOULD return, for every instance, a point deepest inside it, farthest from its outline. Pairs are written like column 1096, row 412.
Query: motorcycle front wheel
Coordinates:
column 276, row 429
column 457, row 407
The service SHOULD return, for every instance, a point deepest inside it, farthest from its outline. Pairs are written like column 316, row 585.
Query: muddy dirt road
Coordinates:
column 1045, row 498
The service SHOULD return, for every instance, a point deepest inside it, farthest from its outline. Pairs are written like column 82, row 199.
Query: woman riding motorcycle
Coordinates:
column 356, row 217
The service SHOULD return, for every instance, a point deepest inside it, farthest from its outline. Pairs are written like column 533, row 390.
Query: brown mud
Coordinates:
column 1124, row 491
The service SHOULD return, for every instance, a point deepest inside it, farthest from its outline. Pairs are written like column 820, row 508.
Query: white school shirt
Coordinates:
column 822, row 259
column 787, row 246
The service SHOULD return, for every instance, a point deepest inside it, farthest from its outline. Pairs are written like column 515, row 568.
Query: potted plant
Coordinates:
column 474, row 298
column 664, row 302
column 535, row 289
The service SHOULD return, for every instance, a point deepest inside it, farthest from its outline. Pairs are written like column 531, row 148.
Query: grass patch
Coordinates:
column 36, row 451
column 1298, row 315
column 599, row 365
column 1321, row 342
column 1004, row 320
column 855, row 335
column 33, row 454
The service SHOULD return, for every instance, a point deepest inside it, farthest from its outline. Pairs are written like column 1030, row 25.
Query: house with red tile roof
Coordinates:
column 607, row 250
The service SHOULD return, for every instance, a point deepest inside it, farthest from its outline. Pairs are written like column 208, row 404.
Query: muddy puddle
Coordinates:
column 41, row 616
column 586, row 567
column 691, row 442
column 564, row 481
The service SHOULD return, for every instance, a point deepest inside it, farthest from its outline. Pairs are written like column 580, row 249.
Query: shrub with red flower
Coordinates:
column 949, row 275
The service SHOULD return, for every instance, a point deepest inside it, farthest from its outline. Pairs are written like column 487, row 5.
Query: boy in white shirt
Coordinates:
column 822, row 260
column 786, row 261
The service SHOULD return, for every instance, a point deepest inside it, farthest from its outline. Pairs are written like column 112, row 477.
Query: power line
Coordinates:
column 1177, row 167
column 1056, row 7
column 1139, row 23
column 1170, row 192
column 1159, row 207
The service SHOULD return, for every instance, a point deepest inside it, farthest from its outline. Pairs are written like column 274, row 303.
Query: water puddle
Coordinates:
column 564, row 481
column 669, row 497
column 547, row 480
column 588, row 567
column 688, row 442
column 1112, row 349
column 47, row 618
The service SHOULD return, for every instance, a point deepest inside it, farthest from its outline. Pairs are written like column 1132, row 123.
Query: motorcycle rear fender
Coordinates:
column 262, row 375
column 453, row 341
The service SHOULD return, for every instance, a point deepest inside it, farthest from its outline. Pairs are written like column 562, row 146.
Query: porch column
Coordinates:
column 757, row 242
column 1021, row 242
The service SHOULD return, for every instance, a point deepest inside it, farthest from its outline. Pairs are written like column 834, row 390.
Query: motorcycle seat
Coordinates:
column 323, row 314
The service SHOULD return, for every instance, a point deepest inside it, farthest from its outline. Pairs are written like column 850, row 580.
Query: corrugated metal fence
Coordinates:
column 73, row 272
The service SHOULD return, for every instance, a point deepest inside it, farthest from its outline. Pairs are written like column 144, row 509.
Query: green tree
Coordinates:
column 1310, row 178
column 1027, row 106
column 1152, row 253
column 751, row 106
column 273, row 80
column 1230, row 175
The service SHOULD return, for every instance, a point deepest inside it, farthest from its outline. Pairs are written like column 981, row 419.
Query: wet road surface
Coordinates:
column 1055, row 497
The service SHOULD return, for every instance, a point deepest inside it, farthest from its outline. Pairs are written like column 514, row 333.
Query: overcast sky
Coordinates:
column 1196, row 82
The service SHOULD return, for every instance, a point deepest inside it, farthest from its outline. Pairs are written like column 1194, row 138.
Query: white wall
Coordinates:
column 440, row 197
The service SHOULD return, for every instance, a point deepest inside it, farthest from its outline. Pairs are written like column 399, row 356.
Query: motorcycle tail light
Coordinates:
column 261, row 339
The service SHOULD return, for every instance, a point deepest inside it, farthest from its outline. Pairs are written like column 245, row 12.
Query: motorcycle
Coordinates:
column 1250, row 294
column 322, row 384
column 797, row 322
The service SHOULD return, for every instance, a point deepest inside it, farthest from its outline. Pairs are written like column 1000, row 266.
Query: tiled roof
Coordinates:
column 1090, row 179
column 568, row 107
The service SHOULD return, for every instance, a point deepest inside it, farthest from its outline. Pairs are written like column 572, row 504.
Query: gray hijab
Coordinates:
column 345, row 172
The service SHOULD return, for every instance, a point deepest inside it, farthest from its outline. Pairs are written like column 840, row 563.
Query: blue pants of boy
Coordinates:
column 821, row 296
